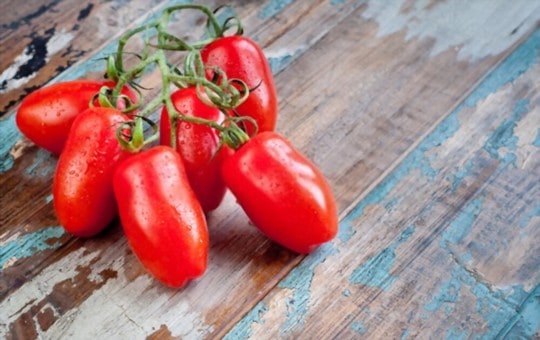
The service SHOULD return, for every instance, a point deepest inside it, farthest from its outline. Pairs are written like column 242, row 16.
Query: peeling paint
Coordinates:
column 242, row 330
column 278, row 59
column 447, row 296
column 41, row 165
column 19, row 247
column 405, row 335
column 526, row 323
column 10, row 135
column 273, row 8
column 445, row 24
column 502, row 143
column 454, row 333
column 375, row 272
column 121, row 298
column 535, row 212
column 300, row 280
column 358, row 327
column 510, row 69
column 491, row 306
column 462, row 224
column 537, row 139
column 26, row 65
column 460, row 174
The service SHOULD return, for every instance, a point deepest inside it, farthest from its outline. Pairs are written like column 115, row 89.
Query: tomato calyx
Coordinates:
column 131, row 134
column 104, row 98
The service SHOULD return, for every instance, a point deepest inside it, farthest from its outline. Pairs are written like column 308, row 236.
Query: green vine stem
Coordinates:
column 223, row 93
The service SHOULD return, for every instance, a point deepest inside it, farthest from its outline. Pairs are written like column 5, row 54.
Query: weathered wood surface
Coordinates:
column 424, row 116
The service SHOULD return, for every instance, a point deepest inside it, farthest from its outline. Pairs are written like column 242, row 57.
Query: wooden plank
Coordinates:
column 446, row 245
column 41, row 283
column 35, row 251
column 40, row 40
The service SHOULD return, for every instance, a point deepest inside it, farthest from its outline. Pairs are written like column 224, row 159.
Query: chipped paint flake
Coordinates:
column 10, row 135
column 375, row 272
column 462, row 225
column 19, row 247
column 242, row 330
column 299, row 280
column 278, row 59
column 35, row 55
column 358, row 327
column 502, row 143
column 445, row 24
column 273, row 8
column 524, row 57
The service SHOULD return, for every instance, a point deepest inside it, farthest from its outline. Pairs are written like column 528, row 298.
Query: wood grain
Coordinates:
column 432, row 153
column 448, row 236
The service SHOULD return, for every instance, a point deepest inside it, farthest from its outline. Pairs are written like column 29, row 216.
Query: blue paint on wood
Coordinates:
column 273, row 8
column 416, row 160
column 43, row 164
column 299, row 280
column 279, row 63
column 49, row 198
column 405, row 335
column 491, row 307
column 455, row 333
column 346, row 292
column 337, row 2
column 242, row 330
column 30, row 244
column 503, row 136
column 526, row 323
column 462, row 225
column 537, row 139
column 447, row 296
column 10, row 135
column 510, row 69
column 517, row 63
column 358, row 327
column 535, row 212
column 460, row 174
column 376, row 271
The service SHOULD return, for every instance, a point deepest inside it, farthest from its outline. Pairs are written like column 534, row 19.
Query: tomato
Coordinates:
column 162, row 219
column 198, row 146
column 45, row 115
column 283, row 193
column 82, row 188
column 241, row 58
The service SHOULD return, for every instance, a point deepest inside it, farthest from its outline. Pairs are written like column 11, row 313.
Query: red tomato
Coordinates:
column 162, row 219
column 45, row 115
column 198, row 146
column 282, row 192
column 241, row 58
column 82, row 189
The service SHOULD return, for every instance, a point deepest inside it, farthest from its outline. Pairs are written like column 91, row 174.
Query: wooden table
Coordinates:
column 423, row 115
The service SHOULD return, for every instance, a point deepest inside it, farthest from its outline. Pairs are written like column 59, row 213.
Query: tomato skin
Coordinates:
column 198, row 146
column 283, row 193
column 83, row 196
column 45, row 116
column 162, row 219
column 241, row 58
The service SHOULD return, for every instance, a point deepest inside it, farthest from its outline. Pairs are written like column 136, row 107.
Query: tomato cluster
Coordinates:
column 216, row 133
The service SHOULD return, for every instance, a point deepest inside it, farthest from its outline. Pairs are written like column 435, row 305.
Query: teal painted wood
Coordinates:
column 460, row 220
column 28, row 248
column 70, row 285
